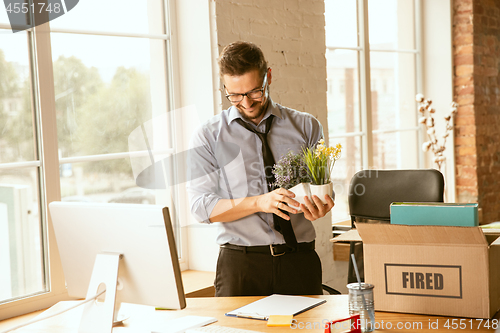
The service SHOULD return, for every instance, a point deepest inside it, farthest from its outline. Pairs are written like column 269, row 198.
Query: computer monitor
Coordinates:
column 92, row 237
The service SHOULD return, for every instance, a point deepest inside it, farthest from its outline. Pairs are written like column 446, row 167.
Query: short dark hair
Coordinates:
column 242, row 57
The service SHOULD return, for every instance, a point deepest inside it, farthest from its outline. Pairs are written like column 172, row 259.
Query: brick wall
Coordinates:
column 476, row 41
column 291, row 33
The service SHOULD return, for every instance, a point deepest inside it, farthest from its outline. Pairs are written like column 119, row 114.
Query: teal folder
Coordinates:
column 426, row 213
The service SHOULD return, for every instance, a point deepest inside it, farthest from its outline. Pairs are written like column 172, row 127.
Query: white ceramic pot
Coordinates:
column 321, row 190
column 301, row 190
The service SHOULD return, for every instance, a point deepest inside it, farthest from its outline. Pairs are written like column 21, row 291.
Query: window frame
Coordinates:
column 48, row 164
column 434, row 78
column 48, row 161
column 364, row 76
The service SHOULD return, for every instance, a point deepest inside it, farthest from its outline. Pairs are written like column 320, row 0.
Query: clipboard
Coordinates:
column 276, row 305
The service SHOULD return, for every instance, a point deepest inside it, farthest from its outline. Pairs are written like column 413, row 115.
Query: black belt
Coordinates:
column 273, row 249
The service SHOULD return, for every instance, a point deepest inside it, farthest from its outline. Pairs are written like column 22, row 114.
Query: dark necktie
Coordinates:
column 280, row 224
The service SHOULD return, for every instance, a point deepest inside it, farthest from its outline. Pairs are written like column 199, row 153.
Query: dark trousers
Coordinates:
column 259, row 274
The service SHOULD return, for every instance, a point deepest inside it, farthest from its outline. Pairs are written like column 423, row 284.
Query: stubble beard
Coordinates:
column 262, row 109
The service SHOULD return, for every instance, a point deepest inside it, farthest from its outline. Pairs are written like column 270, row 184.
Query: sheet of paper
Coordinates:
column 277, row 305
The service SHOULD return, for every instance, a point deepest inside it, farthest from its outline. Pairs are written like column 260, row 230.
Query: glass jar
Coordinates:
column 361, row 301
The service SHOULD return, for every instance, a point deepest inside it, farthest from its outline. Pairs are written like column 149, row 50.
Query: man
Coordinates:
column 266, row 245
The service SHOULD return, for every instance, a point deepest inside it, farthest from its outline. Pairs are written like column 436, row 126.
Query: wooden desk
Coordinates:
column 143, row 318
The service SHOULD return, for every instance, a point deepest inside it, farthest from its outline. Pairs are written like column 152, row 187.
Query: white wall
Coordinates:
column 194, row 74
column 438, row 75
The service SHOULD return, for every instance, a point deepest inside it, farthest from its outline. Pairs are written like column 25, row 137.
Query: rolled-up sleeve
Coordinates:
column 313, row 130
column 203, row 178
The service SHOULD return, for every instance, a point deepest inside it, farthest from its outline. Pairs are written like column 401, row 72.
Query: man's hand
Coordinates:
column 313, row 211
column 278, row 199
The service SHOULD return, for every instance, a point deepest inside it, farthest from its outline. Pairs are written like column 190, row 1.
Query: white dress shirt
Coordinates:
column 225, row 162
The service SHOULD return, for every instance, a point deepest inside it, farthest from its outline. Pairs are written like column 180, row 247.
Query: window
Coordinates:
column 21, row 251
column 372, row 50
column 105, row 105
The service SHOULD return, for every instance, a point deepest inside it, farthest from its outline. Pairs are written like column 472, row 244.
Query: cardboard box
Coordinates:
column 435, row 270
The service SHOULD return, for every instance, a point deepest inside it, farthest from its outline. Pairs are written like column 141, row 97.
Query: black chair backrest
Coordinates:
column 372, row 191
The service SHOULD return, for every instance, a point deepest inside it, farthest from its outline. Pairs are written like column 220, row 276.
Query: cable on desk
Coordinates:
column 54, row 314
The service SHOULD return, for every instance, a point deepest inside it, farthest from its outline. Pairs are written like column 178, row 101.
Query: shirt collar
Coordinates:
column 272, row 108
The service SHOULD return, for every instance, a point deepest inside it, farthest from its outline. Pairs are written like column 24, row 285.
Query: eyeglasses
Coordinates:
column 253, row 94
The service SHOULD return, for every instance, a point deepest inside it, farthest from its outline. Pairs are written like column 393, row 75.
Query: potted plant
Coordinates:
column 320, row 161
column 308, row 173
column 291, row 173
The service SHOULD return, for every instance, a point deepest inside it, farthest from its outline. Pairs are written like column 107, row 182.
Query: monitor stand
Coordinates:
column 98, row 316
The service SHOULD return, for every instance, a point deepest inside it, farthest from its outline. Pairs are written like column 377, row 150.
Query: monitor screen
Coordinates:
column 149, row 271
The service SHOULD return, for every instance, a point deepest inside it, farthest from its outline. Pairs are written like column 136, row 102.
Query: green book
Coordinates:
column 427, row 213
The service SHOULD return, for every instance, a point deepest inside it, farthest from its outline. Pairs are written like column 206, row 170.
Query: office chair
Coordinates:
column 371, row 193
column 329, row 290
